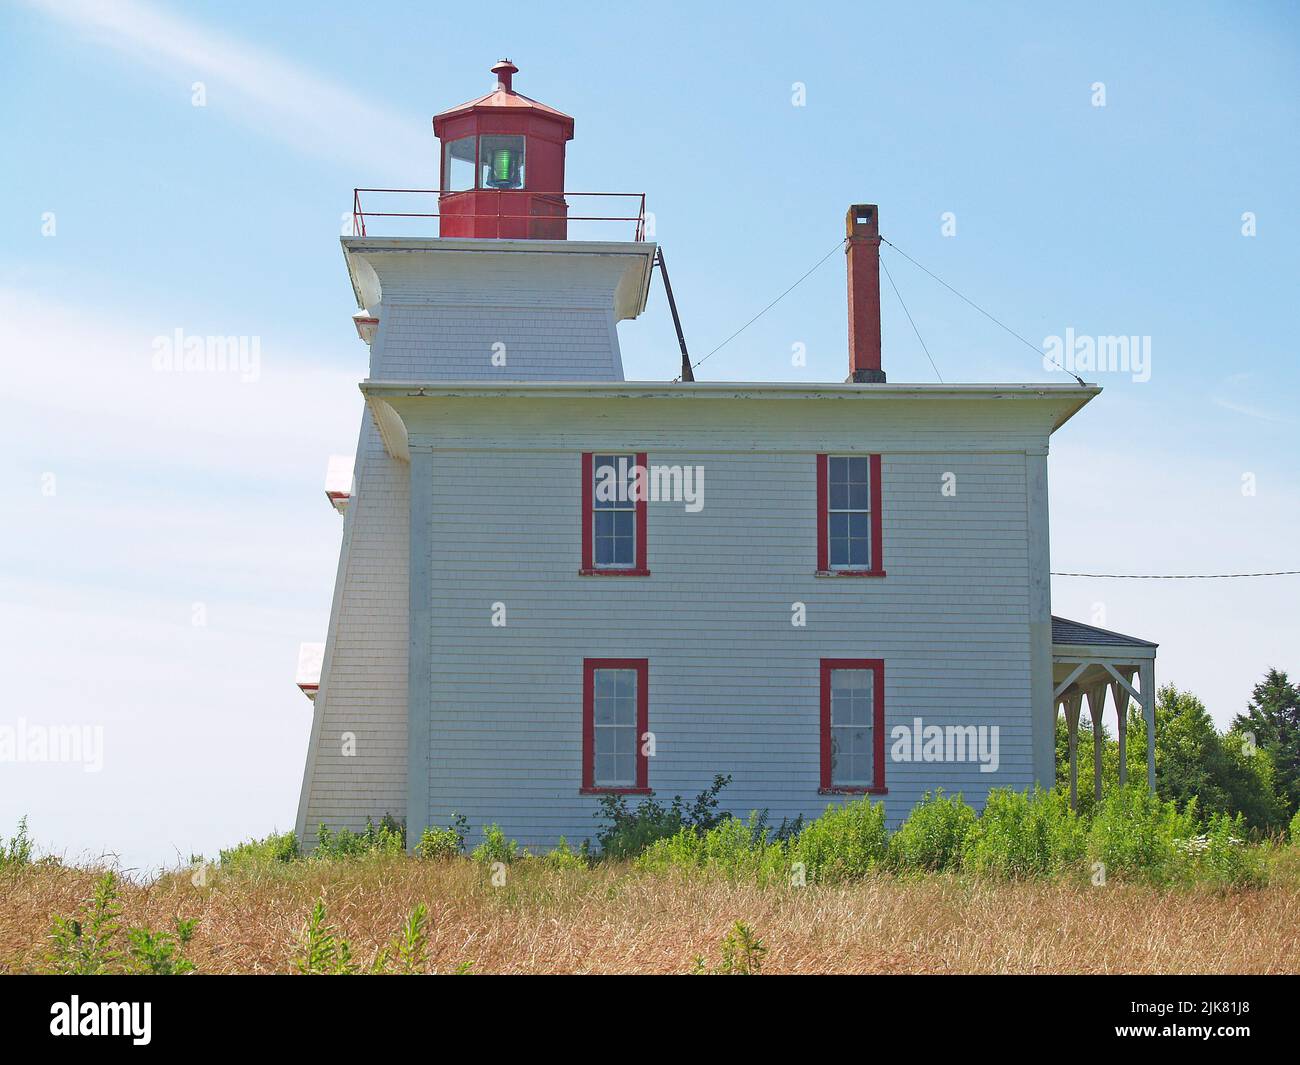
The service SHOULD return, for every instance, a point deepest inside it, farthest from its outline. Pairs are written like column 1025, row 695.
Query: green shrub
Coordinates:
column 324, row 952
column 1025, row 834
column 733, row 848
column 496, row 848
column 627, row 832
column 1295, row 829
column 933, row 835
column 87, row 944
column 18, row 852
column 1222, row 857
column 84, row 945
column 742, row 954
column 275, row 848
column 387, row 837
column 1137, row 836
column 847, row 841
column 446, row 842
column 161, row 953
column 565, row 857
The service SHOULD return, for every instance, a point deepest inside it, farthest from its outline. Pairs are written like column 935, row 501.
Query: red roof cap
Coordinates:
column 504, row 97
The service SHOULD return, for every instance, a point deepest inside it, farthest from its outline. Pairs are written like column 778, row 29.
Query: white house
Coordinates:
column 555, row 583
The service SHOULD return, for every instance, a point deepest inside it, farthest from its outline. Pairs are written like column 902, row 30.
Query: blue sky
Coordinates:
column 172, row 491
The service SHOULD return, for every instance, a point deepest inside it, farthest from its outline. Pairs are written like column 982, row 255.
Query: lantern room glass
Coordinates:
column 501, row 162
column 458, row 165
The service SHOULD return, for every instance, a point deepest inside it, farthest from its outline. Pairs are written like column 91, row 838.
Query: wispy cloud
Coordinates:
column 1252, row 412
column 254, row 86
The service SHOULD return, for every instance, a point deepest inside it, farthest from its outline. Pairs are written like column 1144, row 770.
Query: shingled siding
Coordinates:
column 363, row 677
column 734, row 687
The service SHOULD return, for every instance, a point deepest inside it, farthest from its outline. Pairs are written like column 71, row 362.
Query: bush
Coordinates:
column 733, row 848
column 18, row 853
column 742, row 954
column 87, row 944
column 275, row 848
column 387, row 837
column 565, row 857
column 1295, row 829
column 1222, row 857
column 1024, row 834
column 1137, row 836
column 630, row 831
column 933, row 835
column 446, row 842
column 847, row 841
column 496, row 848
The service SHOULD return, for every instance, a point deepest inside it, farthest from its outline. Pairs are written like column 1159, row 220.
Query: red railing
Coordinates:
column 506, row 203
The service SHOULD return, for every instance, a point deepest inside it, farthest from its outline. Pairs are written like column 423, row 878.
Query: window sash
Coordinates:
column 613, row 522
column 852, row 728
column 615, row 715
column 853, row 725
column 848, row 511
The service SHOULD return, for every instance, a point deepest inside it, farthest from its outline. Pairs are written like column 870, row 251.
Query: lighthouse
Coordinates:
column 788, row 583
column 489, row 283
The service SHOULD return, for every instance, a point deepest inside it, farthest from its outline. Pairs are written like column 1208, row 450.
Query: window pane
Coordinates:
column 858, row 484
column 615, row 761
column 458, row 173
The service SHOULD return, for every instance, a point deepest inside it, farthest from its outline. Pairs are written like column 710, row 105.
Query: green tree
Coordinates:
column 1273, row 719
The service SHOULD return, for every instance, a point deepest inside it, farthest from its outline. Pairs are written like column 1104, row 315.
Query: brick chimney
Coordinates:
column 862, row 225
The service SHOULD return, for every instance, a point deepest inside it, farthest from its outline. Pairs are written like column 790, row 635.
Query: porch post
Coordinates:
column 1147, row 672
column 1120, row 697
column 1096, row 706
column 1071, row 704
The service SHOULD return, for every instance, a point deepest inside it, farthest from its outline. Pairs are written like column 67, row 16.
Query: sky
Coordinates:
column 1105, row 170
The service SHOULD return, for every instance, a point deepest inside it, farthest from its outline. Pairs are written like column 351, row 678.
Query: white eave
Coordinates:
column 633, row 290
column 381, row 396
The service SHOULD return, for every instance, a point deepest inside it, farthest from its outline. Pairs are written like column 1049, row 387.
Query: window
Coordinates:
column 848, row 515
column 501, row 162
column 458, row 165
column 615, row 718
column 853, row 725
column 614, row 515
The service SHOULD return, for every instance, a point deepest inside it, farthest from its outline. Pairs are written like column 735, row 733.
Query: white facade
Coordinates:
column 468, row 502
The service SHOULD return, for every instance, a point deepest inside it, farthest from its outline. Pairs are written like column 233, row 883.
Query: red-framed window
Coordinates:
column 848, row 516
column 614, row 502
column 615, row 720
column 853, row 725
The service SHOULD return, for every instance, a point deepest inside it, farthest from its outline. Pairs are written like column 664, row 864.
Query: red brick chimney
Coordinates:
column 862, row 225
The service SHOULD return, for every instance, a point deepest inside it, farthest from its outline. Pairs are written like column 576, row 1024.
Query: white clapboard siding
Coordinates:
column 734, row 688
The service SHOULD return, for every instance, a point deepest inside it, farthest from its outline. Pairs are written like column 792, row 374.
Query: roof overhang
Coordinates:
column 393, row 402
column 633, row 258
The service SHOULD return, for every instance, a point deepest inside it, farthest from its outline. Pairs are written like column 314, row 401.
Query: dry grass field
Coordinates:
column 615, row 919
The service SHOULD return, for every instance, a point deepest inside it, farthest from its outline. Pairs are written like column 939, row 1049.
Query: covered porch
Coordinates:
column 1087, row 663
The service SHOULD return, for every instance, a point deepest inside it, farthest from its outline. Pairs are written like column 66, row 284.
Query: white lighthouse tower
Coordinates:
column 485, row 287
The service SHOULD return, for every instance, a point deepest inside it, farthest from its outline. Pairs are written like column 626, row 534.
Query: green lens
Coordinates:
column 502, row 165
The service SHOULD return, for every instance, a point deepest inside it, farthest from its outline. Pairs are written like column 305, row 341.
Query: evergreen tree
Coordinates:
column 1273, row 719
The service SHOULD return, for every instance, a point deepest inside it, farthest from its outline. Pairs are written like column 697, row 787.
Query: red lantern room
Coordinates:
column 503, row 165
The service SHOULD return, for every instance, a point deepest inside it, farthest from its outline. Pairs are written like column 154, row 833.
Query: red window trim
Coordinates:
column 823, row 523
column 589, row 667
column 877, row 666
column 588, row 567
